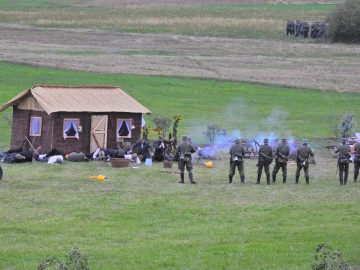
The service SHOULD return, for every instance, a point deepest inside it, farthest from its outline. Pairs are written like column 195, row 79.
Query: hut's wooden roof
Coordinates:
column 80, row 99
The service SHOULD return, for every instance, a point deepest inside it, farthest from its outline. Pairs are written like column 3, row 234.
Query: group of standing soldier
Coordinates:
column 302, row 28
column 237, row 153
column 343, row 163
column 267, row 156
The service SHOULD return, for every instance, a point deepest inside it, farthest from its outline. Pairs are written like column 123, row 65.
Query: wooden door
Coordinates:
column 99, row 124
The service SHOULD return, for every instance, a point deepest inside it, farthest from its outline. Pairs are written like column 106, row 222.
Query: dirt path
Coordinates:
column 320, row 66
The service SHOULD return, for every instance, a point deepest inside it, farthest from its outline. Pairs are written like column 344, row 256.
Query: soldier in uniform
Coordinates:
column 356, row 161
column 183, row 156
column 290, row 25
column 343, row 161
column 237, row 153
column 264, row 161
column 302, row 160
column 305, row 29
column 297, row 28
column 281, row 158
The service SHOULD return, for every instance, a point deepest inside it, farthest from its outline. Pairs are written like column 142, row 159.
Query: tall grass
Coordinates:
column 239, row 21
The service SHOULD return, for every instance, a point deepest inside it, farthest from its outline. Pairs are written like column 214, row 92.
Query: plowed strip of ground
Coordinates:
column 302, row 65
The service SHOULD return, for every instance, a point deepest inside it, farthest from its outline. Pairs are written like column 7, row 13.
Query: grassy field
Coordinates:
column 246, row 110
column 237, row 21
column 142, row 219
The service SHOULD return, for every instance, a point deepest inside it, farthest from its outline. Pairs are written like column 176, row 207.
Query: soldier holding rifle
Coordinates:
column 281, row 158
column 237, row 153
column 356, row 161
column 183, row 157
column 264, row 161
column 343, row 161
column 302, row 160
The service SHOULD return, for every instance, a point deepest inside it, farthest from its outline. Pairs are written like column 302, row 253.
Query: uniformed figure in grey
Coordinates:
column 237, row 153
column 265, row 159
column 183, row 156
column 343, row 161
column 356, row 161
column 281, row 158
column 302, row 160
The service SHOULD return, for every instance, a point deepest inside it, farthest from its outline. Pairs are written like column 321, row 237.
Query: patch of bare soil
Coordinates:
column 302, row 65
column 142, row 3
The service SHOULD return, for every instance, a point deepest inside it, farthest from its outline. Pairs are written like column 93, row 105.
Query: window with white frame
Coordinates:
column 35, row 126
column 123, row 128
column 70, row 129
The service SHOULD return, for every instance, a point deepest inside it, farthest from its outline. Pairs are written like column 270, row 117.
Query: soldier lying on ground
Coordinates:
column 16, row 156
column 53, row 156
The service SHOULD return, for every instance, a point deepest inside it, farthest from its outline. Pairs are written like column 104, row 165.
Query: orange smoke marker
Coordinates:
column 98, row 177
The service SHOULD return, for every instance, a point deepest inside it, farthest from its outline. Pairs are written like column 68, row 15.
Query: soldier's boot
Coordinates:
column 273, row 177
column 268, row 178
column 258, row 178
column 242, row 178
column 191, row 178
column 307, row 180
column 346, row 177
column 355, row 176
column 284, row 179
column 230, row 179
column 297, row 179
column 181, row 178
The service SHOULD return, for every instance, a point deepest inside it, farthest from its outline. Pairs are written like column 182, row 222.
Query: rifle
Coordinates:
column 256, row 143
column 337, row 168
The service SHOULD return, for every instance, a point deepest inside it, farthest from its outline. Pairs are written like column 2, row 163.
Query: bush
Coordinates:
column 344, row 23
column 75, row 260
column 326, row 258
column 342, row 126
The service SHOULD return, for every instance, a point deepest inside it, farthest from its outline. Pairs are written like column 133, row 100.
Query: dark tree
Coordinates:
column 344, row 23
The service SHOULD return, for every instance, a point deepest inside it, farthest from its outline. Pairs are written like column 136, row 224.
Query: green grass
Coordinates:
column 252, row 110
column 142, row 219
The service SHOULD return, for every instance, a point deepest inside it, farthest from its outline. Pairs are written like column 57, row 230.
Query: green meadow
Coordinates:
column 249, row 110
column 140, row 218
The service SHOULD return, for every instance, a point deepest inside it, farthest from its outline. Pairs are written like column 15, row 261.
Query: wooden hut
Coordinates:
column 74, row 118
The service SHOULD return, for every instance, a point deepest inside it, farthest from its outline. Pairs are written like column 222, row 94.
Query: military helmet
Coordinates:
column 305, row 142
column 266, row 140
column 184, row 138
column 283, row 139
column 161, row 137
column 343, row 140
column 237, row 141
